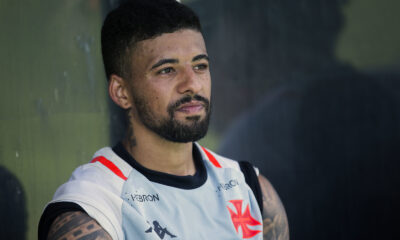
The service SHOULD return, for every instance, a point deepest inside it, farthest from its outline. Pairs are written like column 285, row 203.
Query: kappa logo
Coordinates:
column 243, row 220
column 160, row 231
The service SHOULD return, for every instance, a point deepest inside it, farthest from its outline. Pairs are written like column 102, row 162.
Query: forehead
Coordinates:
column 182, row 43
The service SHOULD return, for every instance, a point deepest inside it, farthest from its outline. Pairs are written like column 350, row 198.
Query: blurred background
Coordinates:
column 306, row 90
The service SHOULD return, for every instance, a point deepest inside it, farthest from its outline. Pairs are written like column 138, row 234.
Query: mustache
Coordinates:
column 188, row 98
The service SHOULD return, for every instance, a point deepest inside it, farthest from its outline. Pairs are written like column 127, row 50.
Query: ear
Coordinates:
column 119, row 92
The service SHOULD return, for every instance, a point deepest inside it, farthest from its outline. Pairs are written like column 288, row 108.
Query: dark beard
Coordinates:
column 171, row 129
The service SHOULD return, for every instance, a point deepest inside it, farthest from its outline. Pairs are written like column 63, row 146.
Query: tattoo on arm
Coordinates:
column 76, row 226
column 275, row 224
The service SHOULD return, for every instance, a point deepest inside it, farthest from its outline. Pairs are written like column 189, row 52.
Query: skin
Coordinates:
column 164, row 70
column 275, row 223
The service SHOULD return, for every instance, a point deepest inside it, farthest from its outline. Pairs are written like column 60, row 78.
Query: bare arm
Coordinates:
column 275, row 222
column 76, row 226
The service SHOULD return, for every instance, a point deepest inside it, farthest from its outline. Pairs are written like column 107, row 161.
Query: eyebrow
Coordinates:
column 199, row 57
column 164, row 61
column 171, row 60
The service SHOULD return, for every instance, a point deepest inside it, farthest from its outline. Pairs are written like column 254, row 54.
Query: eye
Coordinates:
column 166, row 70
column 200, row 67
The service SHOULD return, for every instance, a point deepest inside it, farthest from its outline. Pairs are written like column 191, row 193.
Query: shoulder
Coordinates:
column 96, row 188
column 275, row 223
column 76, row 225
column 218, row 160
column 109, row 163
column 106, row 170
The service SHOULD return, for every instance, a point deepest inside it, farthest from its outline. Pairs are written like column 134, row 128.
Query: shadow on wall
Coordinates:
column 13, row 215
column 330, row 147
column 327, row 136
column 259, row 44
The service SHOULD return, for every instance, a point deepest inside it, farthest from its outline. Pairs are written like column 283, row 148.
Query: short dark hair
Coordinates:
column 137, row 20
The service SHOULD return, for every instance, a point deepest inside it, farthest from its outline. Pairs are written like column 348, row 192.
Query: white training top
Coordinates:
column 133, row 202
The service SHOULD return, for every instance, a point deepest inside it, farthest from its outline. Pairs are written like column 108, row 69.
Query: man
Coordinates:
column 158, row 183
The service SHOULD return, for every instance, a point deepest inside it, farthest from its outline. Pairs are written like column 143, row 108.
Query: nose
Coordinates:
column 190, row 82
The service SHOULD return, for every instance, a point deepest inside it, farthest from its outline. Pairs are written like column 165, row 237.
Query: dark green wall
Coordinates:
column 53, row 113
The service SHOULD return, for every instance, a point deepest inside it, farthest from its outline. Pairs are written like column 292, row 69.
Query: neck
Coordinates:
column 158, row 154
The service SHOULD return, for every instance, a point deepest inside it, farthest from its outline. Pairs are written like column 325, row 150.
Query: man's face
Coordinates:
column 171, row 86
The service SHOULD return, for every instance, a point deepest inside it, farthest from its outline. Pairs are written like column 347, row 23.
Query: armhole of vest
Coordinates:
column 52, row 211
column 251, row 178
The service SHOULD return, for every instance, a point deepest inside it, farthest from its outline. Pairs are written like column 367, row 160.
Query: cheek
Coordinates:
column 160, row 101
column 207, row 85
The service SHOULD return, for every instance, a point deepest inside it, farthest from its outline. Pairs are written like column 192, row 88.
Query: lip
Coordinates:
column 191, row 107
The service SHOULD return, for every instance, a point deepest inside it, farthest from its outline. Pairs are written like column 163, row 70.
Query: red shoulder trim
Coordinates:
column 110, row 165
column 211, row 158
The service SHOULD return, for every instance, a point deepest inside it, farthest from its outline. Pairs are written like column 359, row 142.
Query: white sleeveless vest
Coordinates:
column 138, row 203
